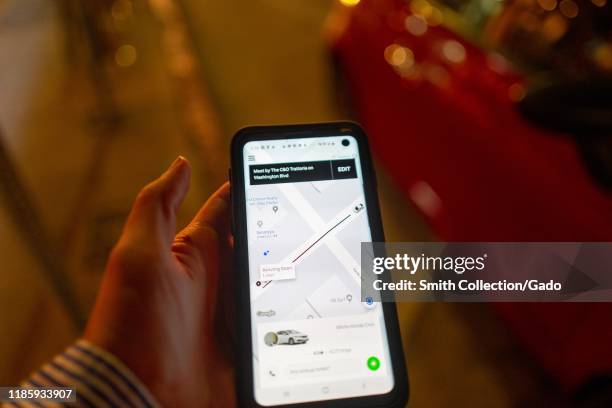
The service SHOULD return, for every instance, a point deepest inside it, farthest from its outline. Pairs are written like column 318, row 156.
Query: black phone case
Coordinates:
column 398, row 396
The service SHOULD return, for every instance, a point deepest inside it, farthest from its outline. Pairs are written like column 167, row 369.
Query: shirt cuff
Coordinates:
column 100, row 379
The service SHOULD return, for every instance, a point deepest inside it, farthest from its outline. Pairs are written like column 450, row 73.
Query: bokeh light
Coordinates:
column 437, row 75
column 398, row 56
column 121, row 9
column 568, row 8
column 554, row 27
column 421, row 8
column 548, row 5
column 436, row 18
column 453, row 51
column 126, row 55
column 603, row 56
column 415, row 25
column 516, row 92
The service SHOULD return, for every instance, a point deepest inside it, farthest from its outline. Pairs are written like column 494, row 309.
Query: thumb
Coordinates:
column 152, row 219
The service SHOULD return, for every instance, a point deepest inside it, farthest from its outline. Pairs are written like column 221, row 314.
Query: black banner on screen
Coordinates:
column 302, row 171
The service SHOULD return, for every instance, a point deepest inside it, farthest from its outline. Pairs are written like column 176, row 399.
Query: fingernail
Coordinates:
column 177, row 162
column 177, row 165
column 177, row 176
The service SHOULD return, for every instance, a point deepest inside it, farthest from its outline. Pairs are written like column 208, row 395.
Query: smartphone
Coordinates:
column 304, row 197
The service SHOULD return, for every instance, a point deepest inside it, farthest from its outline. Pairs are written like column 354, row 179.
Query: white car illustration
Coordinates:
column 291, row 337
column 285, row 337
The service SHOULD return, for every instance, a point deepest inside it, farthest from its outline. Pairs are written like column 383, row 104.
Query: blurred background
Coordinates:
column 489, row 120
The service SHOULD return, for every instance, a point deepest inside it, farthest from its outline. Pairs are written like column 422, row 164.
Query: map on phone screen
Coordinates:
column 313, row 337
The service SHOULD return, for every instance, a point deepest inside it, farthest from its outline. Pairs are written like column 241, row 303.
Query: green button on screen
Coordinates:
column 373, row 363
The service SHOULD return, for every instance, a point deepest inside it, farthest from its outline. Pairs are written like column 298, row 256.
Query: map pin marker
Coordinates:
column 349, row 297
column 259, row 223
column 275, row 208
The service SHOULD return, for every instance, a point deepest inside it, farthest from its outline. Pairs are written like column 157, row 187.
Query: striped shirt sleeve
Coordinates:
column 100, row 380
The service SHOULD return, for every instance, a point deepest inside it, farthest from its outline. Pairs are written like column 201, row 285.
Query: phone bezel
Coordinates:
column 398, row 396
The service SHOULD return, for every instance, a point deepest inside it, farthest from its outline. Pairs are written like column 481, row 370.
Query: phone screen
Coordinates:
column 313, row 339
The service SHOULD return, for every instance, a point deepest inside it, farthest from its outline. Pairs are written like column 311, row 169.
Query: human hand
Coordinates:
column 161, row 297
